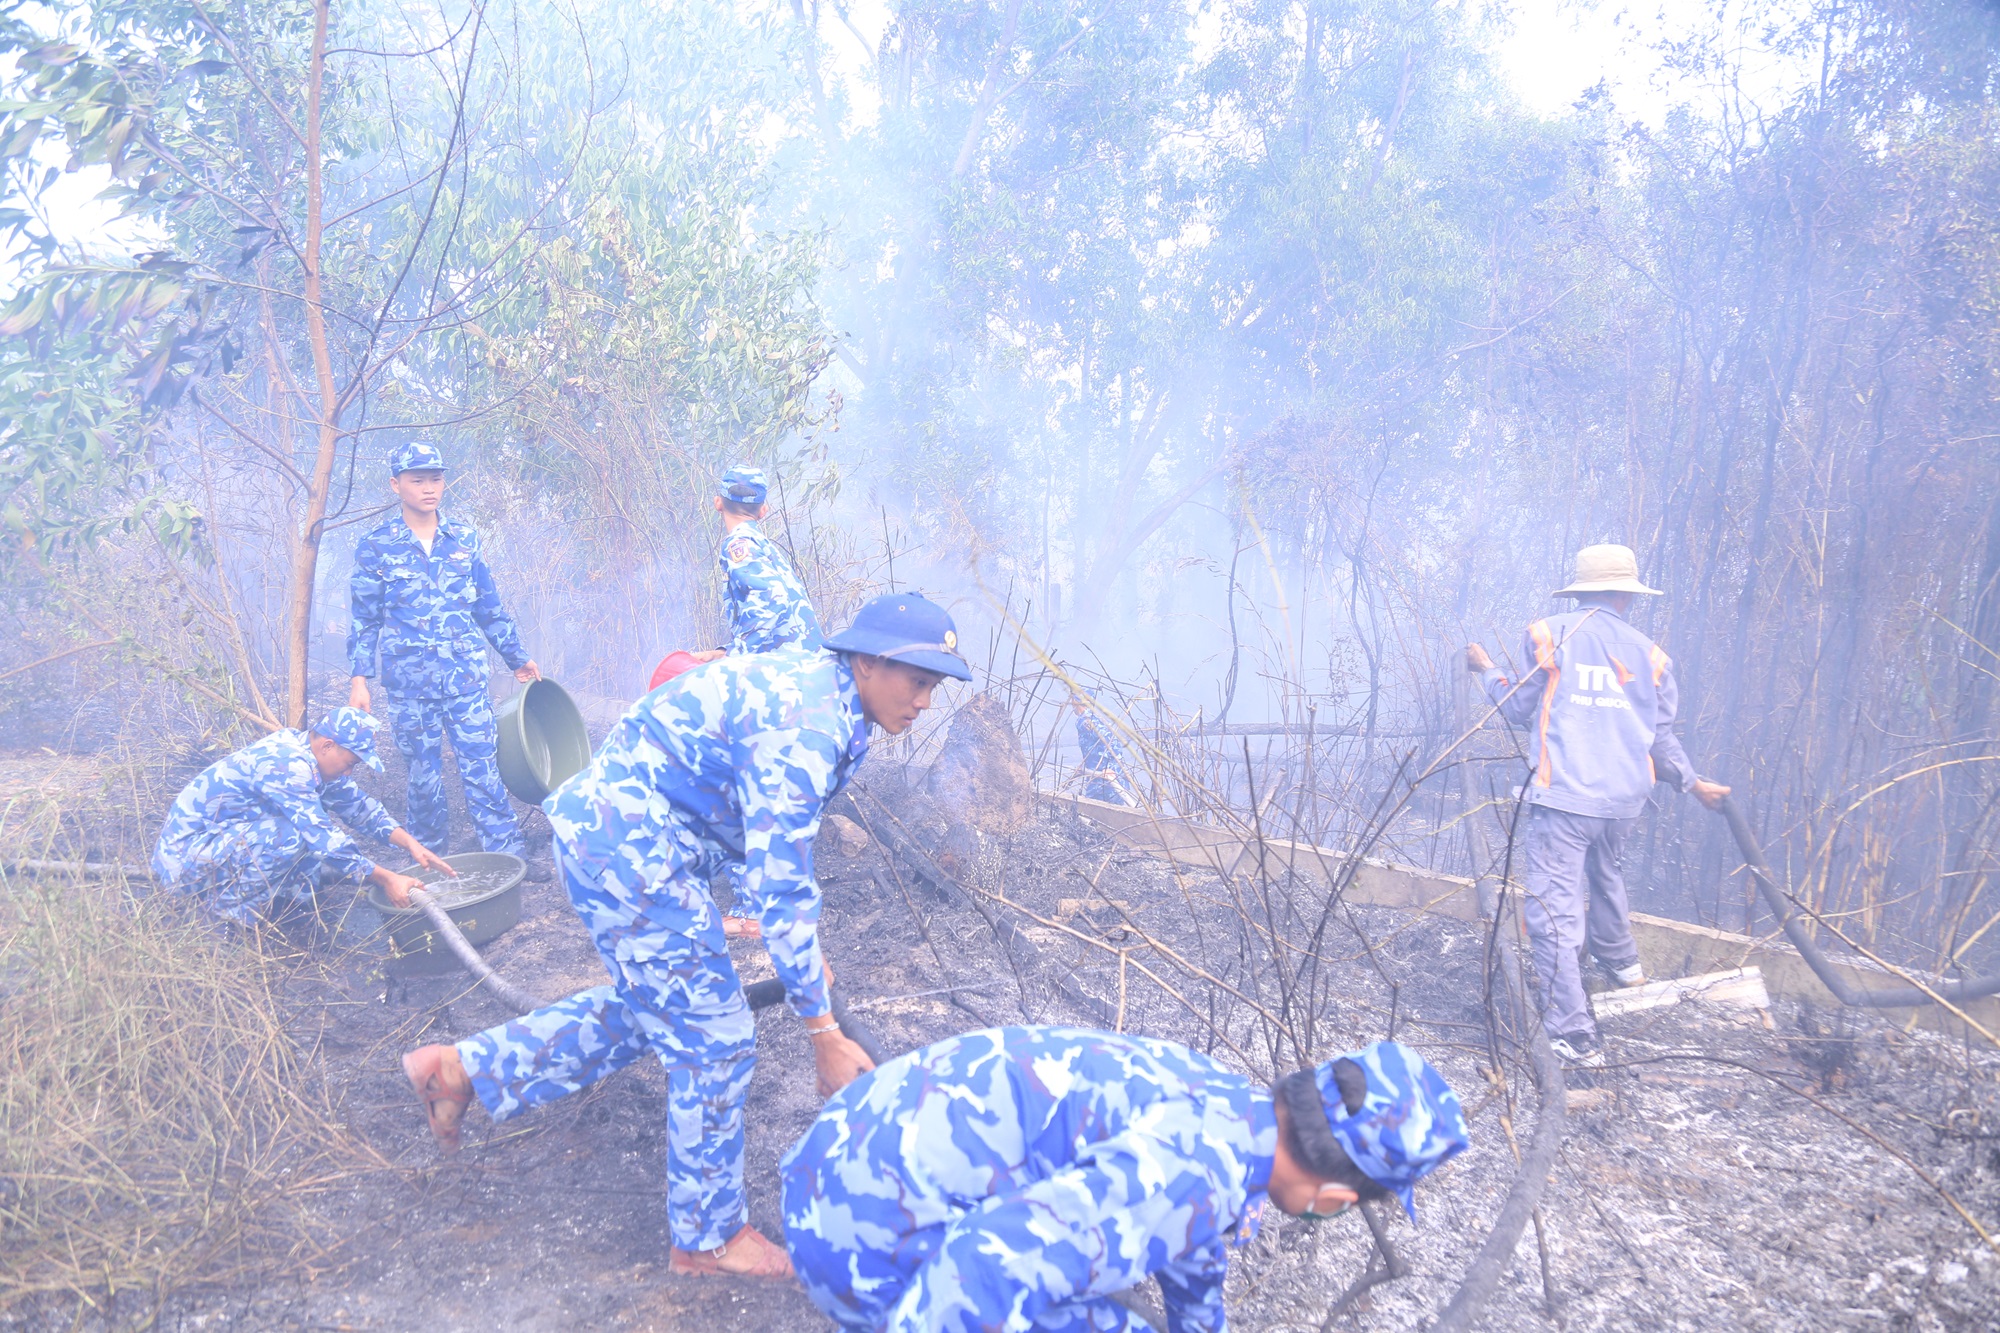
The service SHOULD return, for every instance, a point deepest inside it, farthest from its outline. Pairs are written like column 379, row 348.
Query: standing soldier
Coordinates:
column 730, row 765
column 1017, row 1178
column 422, row 595
column 1107, row 773
column 252, row 833
column 763, row 603
column 1599, row 706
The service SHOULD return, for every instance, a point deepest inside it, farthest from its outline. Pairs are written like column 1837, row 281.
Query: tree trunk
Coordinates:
column 305, row 554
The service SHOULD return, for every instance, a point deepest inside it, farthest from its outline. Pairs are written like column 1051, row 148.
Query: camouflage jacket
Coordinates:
column 261, row 790
column 744, row 753
column 428, row 615
column 1082, row 1161
column 763, row 602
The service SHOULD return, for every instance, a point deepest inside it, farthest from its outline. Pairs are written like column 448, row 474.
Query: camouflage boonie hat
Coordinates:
column 413, row 456
column 354, row 730
column 745, row 485
column 1409, row 1124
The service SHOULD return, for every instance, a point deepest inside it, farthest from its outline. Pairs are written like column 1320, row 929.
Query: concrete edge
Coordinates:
column 1667, row 947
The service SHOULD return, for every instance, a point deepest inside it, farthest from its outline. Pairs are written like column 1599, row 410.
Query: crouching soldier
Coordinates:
column 422, row 597
column 252, row 833
column 732, row 764
column 1016, row 1178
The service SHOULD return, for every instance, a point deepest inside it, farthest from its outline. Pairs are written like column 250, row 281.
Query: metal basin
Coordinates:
column 543, row 740
column 481, row 909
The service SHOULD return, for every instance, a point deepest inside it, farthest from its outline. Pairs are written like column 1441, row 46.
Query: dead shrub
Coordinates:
column 159, row 1128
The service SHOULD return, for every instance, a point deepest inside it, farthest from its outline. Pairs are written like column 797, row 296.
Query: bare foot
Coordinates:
column 745, row 1254
column 741, row 928
column 443, row 1086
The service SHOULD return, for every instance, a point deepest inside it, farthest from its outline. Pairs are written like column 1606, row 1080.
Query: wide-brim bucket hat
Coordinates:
column 1607, row 568
column 905, row 627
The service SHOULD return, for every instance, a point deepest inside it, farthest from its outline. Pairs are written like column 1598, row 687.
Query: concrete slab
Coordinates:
column 1667, row 947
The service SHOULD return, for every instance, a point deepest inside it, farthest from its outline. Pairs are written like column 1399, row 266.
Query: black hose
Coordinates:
column 765, row 994
column 1482, row 1278
column 454, row 939
column 1862, row 997
column 1491, row 1262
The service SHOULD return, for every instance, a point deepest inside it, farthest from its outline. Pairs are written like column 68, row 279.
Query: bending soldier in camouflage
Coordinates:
column 729, row 765
column 422, row 597
column 252, row 832
column 1017, row 1178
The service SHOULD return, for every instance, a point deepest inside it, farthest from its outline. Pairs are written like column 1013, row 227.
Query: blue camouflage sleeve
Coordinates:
column 362, row 812
column 1096, row 1228
column 493, row 618
column 300, row 805
column 784, row 779
column 366, row 606
column 1192, row 1287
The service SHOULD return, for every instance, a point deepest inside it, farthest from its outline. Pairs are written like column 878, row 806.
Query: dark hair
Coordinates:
column 1310, row 1138
column 741, row 508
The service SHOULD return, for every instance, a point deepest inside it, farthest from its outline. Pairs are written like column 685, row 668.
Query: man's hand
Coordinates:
column 708, row 655
column 421, row 854
column 357, row 694
column 837, row 1061
column 526, row 673
column 1476, row 659
column 1709, row 793
column 396, row 888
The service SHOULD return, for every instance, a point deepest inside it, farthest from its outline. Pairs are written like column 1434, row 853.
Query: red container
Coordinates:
column 670, row 666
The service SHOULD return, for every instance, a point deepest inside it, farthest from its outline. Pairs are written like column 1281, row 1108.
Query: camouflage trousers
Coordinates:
column 674, row 993
column 420, row 726
column 240, row 871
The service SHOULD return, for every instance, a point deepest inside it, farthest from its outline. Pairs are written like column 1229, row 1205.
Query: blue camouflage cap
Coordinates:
column 1409, row 1124
column 745, row 485
column 354, row 730
column 905, row 627
column 414, row 455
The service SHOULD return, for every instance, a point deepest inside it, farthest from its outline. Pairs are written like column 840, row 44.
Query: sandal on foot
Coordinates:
column 741, row 928
column 772, row 1263
column 444, row 1106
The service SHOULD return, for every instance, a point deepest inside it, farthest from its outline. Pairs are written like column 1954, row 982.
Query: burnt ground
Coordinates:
column 1692, row 1191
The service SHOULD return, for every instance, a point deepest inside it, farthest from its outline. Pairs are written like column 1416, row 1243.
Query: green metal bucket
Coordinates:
column 493, row 906
column 543, row 740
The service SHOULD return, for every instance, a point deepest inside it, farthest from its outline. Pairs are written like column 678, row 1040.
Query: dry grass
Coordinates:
column 159, row 1128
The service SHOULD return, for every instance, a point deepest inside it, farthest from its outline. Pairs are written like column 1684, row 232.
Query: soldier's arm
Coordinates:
column 494, row 619
column 297, row 801
column 784, row 780
column 366, row 607
column 1084, row 1232
column 1192, row 1288
column 363, row 813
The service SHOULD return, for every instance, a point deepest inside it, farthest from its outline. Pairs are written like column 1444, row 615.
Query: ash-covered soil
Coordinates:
column 1696, row 1189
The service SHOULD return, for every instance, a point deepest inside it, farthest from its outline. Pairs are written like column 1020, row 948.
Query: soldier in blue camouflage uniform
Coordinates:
column 253, row 830
column 1107, row 773
column 763, row 603
column 731, row 763
column 1016, row 1178
column 423, row 597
